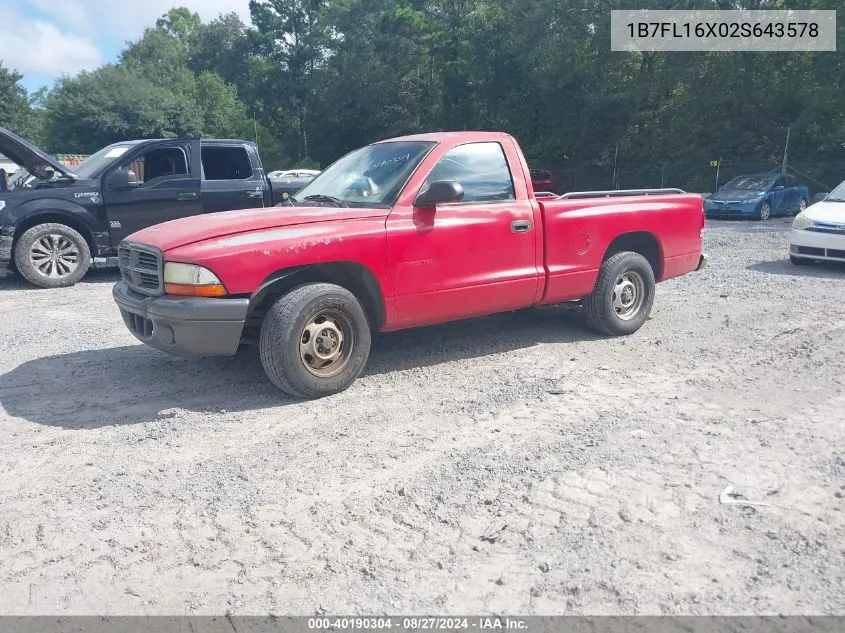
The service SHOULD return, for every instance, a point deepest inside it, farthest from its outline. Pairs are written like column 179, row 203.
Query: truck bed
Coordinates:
column 579, row 229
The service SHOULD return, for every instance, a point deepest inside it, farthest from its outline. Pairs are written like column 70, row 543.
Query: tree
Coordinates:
column 295, row 38
column 113, row 104
column 15, row 110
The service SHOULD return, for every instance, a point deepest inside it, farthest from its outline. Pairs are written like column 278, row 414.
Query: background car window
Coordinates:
column 480, row 168
column 226, row 163
column 163, row 161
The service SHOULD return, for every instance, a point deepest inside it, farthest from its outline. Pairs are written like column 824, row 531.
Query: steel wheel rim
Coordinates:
column 628, row 295
column 54, row 256
column 765, row 211
column 326, row 343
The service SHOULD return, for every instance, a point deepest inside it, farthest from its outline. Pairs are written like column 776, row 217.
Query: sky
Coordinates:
column 45, row 39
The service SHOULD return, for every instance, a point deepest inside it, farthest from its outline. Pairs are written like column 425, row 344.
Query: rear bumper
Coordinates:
column 183, row 326
column 702, row 262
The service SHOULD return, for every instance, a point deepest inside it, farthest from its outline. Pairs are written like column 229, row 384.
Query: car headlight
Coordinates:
column 191, row 280
column 801, row 221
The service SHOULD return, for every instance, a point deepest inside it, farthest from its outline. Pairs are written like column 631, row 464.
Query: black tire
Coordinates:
column 765, row 211
column 599, row 308
column 284, row 330
column 800, row 261
column 54, row 272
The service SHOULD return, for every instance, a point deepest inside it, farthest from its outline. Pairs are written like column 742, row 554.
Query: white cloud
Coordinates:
column 127, row 20
column 55, row 37
column 41, row 48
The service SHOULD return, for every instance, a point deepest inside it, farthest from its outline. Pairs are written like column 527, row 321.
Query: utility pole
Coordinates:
column 785, row 151
column 615, row 172
column 255, row 127
column 718, row 166
column 662, row 169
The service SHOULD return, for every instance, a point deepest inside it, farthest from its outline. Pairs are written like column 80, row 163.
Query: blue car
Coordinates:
column 758, row 196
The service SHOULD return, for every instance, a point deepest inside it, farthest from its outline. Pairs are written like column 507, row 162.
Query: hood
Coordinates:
column 737, row 194
column 28, row 155
column 827, row 212
column 198, row 228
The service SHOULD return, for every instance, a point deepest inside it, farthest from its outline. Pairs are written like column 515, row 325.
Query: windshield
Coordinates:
column 749, row 183
column 838, row 194
column 371, row 176
column 94, row 164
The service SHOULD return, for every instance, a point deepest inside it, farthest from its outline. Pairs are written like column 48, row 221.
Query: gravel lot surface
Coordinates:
column 515, row 464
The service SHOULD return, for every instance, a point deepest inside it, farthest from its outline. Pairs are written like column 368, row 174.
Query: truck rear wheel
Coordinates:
column 52, row 255
column 622, row 298
column 315, row 341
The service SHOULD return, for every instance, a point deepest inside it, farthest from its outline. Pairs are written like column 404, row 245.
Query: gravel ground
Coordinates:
column 516, row 464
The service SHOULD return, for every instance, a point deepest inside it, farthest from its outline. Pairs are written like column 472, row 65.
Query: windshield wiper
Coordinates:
column 834, row 199
column 319, row 197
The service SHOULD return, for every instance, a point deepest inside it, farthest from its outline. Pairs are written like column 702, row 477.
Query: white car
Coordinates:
column 818, row 232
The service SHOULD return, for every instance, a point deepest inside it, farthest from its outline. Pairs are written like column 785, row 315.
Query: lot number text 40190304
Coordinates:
column 416, row 623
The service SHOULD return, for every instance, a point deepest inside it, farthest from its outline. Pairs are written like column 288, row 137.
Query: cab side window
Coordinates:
column 159, row 162
column 480, row 168
column 226, row 163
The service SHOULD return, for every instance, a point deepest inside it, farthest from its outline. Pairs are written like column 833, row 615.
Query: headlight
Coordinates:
column 754, row 200
column 801, row 221
column 191, row 280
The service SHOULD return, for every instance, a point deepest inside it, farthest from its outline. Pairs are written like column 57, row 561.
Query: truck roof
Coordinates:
column 466, row 137
column 227, row 141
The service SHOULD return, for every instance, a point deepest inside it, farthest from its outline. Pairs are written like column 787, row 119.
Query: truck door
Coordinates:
column 780, row 196
column 232, row 179
column 469, row 258
column 167, row 187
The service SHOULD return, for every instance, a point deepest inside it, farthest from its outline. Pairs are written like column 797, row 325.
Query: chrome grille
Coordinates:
column 140, row 267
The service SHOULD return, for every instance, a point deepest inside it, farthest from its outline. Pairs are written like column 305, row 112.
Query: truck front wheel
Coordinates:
column 622, row 298
column 315, row 341
column 52, row 255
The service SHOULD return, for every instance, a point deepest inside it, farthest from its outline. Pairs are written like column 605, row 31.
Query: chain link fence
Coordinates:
column 819, row 176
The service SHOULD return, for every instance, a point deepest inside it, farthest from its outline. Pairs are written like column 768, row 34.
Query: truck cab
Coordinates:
column 56, row 222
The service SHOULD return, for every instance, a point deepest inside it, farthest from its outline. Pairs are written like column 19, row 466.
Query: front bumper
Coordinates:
column 817, row 245
column 734, row 209
column 7, row 237
column 183, row 326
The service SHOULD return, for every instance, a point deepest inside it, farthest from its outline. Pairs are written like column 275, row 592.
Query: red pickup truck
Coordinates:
column 402, row 233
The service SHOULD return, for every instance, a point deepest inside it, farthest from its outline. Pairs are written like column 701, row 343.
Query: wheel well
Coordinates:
column 356, row 278
column 57, row 218
column 639, row 242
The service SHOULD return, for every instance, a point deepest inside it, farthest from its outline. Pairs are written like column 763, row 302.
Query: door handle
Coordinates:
column 255, row 194
column 186, row 196
column 520, row 226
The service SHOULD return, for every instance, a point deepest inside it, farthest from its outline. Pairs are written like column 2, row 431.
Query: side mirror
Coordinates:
column 123, row 180
column 439, row 192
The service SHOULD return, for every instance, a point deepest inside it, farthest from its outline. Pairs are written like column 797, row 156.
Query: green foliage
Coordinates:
column 114, row 104
column 16, row 112
column 312, row 79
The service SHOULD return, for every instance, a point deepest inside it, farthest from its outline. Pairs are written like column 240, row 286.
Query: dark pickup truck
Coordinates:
column 56, row 222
